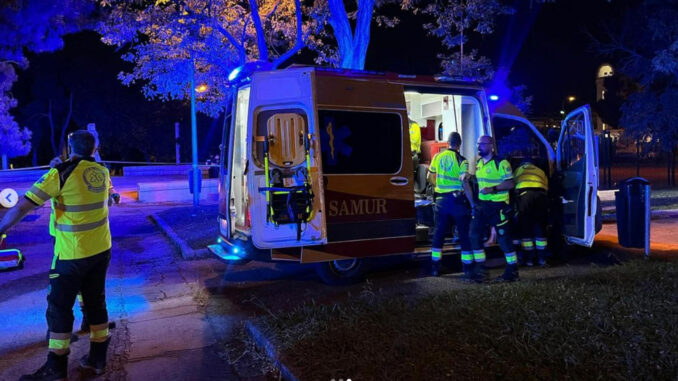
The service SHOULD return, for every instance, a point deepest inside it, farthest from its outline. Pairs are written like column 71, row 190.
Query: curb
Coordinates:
column 186, row 251
column 272, row 354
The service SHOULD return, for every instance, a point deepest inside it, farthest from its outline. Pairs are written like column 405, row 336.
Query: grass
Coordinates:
column 198, row 227
column 610, row 323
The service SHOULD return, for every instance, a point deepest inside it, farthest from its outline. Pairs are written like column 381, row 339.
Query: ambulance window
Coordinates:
column 574, row 143
column 359, row 142
column 516, row 141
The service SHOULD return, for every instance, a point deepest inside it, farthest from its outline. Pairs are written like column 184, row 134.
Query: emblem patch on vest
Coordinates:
column 95, row 179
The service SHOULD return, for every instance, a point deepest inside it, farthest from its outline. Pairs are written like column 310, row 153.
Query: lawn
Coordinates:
column 616, row 322
column 198, row 227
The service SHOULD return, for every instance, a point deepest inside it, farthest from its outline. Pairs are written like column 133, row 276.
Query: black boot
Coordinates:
column 96, row 359
column 541, row 257
column 479, row 274
column 529, row 258
column 84, row 326
column 435, row 267
column 468, row 272
column 56, row 368
column 510, row 274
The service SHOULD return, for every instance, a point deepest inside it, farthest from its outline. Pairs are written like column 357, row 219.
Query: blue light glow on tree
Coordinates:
column 167, row 41
column 14, row 141
column 37, row 26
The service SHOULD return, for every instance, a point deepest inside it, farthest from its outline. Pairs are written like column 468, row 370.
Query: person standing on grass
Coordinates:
column 452, row 204
column 495, row 180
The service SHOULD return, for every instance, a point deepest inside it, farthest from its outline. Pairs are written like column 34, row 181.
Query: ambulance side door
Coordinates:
column 577, row 163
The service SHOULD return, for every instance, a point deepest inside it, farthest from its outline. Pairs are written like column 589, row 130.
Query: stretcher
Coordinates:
column 10, row 259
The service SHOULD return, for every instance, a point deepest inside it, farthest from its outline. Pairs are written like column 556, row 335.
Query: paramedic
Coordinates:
column 495, row 179
column 451, row 204
column 80, row 189
column 415, row 142
column 532, row 207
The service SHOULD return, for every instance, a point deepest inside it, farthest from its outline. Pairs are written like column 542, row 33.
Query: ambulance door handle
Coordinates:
column 399, row 180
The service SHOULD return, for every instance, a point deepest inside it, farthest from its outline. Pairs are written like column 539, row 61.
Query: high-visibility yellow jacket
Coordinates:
column 448, row 166
column 79, row 189
column 529, row 175
column 415, row 137
column 493, row 173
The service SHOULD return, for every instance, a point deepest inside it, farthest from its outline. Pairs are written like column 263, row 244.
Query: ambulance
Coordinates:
column 317, row 165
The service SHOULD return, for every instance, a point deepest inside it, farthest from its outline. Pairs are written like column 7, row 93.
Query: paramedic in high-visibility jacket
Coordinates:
column 451, row 204
column 495, row 180
column 82, row 251
column 532, row 206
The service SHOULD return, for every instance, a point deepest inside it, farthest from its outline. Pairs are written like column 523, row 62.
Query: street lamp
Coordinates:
column 201, row 88
column 571, row 98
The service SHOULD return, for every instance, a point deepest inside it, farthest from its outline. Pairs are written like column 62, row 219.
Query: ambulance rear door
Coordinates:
column 283, row 115
column 577, row 162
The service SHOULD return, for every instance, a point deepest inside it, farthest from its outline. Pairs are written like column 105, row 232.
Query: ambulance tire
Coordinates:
column 342, row 272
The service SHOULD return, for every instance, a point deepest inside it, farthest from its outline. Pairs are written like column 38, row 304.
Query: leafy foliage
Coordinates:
column 37, row 26
column 169, row 41
column 454, row 20
column 14, row 141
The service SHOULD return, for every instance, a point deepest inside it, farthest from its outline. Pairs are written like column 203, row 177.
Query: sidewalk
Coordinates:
column 156, row 299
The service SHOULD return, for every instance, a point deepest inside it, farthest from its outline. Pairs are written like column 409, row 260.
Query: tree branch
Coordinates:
column 261, row 37
column 242, row 54
column 298, row 44
column 244, row 30
column 275, row 7
column 66, row 123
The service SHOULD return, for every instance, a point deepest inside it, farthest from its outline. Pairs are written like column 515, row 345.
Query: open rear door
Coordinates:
column 578, row 165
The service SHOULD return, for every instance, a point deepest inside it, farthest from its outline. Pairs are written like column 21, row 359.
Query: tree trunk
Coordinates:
column 51, row 128
column 4, row 161
column 62, row 139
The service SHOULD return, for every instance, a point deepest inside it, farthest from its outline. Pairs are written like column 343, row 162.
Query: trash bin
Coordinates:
column 213, row 172
column 633, row 212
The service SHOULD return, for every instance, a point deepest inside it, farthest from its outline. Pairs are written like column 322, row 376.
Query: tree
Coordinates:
column 646, row 49
column 341, row 35
column 169, row 41
column 454, row 21
column 36, row 26
column 14, row 141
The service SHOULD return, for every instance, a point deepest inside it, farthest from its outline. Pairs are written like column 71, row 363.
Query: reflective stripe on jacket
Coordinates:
column 491, row 174
column 448, row 166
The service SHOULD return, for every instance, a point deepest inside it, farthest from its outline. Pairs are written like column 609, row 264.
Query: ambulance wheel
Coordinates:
column 341, row 272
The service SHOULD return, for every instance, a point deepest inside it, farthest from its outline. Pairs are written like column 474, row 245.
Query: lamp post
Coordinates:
column 194, row 138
